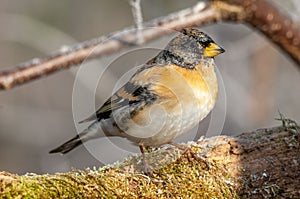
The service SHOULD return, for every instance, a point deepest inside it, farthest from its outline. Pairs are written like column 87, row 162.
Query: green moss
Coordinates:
column 181, row 178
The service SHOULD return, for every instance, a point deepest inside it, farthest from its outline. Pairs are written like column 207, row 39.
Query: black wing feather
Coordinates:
column 140, row 96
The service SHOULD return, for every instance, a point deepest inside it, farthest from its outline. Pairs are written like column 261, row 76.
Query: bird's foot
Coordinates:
column 189, row 153
column 147, row 169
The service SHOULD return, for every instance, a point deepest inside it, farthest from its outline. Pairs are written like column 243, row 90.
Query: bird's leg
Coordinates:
column 147, row 169
column 189, row 152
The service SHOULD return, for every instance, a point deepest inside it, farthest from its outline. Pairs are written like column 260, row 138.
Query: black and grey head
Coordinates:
column 187, row 49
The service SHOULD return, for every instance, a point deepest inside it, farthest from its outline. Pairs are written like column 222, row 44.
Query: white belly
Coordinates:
column 178, row 122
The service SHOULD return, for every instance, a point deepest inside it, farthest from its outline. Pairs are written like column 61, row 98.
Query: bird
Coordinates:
column 165, row 98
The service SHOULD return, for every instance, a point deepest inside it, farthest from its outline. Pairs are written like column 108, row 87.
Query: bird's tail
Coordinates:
column 89, row 133
column 68, row 146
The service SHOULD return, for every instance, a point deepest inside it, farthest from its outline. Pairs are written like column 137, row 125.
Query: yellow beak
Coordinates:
column 213, row 50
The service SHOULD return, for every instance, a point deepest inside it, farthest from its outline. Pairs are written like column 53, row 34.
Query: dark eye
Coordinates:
column 205, row 43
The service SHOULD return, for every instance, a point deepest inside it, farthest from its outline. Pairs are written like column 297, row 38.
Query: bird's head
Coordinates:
column 187, row 50
column 205, row 43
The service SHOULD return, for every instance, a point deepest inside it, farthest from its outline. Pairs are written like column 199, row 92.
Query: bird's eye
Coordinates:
column 205, row 43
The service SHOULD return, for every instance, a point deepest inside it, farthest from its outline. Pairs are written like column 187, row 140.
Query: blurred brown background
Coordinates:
column 258, row 78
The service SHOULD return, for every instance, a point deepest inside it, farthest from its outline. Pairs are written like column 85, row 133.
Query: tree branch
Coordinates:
column 260, row 14
column 259, row 164
column 275, row 25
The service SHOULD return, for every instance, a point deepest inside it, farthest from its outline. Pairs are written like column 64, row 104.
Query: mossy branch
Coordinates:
column 262, row 163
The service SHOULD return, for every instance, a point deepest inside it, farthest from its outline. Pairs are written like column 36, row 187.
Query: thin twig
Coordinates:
column 138, row 18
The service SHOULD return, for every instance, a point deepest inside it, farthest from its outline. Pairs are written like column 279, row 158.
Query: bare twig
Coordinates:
column 260, row 14
column 138, row 18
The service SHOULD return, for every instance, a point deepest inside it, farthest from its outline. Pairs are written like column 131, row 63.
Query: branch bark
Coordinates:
column 275, row 25
column 259, row 164
column 260, row 14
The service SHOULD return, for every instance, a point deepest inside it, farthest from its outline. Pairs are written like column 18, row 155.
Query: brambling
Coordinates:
column 165, row 98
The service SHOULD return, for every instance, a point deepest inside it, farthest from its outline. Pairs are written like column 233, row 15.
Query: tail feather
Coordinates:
column 67, row 146
column 89, row 133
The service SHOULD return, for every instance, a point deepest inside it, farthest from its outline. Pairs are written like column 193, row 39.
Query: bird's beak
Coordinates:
column 213, row 50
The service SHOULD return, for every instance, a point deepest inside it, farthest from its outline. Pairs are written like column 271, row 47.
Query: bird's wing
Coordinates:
column 133, row 95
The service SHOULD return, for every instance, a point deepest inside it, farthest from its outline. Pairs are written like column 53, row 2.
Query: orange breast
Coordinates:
column 180, row 85
column 178, row 88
